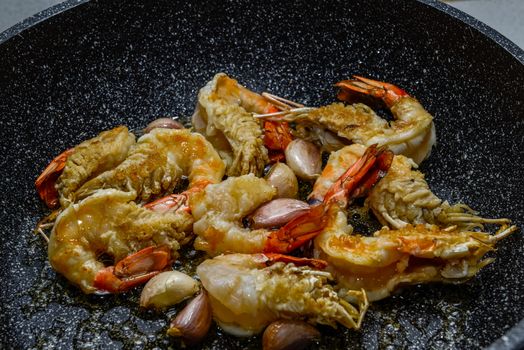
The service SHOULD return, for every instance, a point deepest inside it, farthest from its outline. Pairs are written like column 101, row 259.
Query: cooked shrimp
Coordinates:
column 224, row 115
column 74, row 167
column 337, row 163
column 219, row 209
column 410, row 255
column 412, row 133
column 402, row 197
column 246, row 295
column 109, row 223
column 157, row 162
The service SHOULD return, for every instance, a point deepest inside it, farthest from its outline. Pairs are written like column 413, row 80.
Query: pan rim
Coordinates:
column 455, row 13
column 483, row 28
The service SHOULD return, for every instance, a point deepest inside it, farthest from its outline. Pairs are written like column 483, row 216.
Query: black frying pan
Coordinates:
column 100, row 64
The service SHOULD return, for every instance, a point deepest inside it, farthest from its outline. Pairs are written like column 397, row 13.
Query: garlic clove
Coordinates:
column 277, row 212
column 166, row 123
column 289, row 334
column 167, row 289
column 304, row 158
column 284, row 180
column 193, row 322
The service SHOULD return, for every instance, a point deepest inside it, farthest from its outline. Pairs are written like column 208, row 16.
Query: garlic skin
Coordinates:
column 193, row 322
column 277, row 212
column 304, row 158
column 166, row 123
column 284, row 180
column 167, row 289
column 289, row 335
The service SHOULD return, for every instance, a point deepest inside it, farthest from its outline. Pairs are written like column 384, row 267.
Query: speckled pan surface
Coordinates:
column 102, row 63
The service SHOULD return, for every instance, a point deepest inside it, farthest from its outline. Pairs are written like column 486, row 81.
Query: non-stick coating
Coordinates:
column 101, row 64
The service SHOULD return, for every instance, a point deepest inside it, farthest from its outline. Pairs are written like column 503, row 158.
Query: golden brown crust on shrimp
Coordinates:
column 403, row 196
column 91, row 158
column 356, row 122
column 109, row 222
column 246, row 294
column 224, row 115
column 158, row 161
column 410, row 255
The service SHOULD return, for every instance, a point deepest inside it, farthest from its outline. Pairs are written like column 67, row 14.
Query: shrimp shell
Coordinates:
column 157, row 162
column 246, row 295
column 412, row 133
column 224, row 115
column 218, row 211
column 92, row 157
column 109, row 222
column 402, row 197
column 410, row 255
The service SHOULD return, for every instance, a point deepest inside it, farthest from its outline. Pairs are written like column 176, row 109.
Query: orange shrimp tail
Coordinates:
column 379, row 169
column 361, row 176
column 298, row 231
column 45, row 183
column 356, row 181
column 381, row 165
column 107, row 282
column 133, row 270
column 271, row 258
column 388, row 93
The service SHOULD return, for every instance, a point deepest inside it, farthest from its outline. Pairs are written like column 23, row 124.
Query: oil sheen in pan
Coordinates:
column 118, row 320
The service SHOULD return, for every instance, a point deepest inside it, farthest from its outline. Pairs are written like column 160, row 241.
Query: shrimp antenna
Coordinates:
column 280, row 102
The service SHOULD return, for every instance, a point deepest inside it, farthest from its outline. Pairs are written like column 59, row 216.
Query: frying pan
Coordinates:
column 66, row 75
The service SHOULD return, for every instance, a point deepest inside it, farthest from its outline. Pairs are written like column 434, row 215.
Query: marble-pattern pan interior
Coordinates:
column 101, row 64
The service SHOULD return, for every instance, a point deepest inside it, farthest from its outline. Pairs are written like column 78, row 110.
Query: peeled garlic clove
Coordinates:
column 304, row 159
column 277, row 212
column 289, row 334
column 193, row 322
column 167, row 289
column 284, row 180
column 166, row 123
